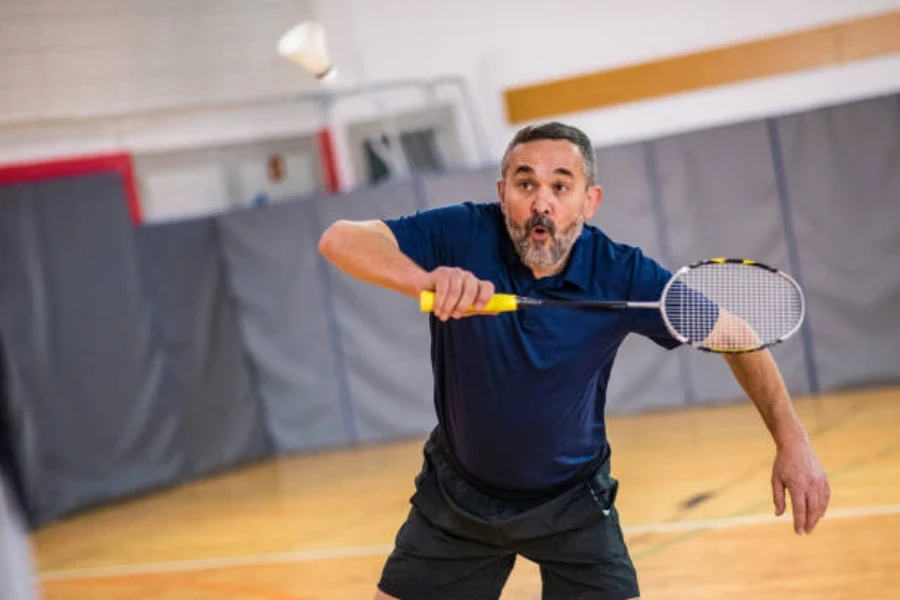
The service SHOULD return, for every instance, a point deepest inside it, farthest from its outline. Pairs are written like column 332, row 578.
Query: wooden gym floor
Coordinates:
column 319, row 527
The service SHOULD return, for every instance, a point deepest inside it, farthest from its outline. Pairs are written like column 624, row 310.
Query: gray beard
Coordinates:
column 543, row 256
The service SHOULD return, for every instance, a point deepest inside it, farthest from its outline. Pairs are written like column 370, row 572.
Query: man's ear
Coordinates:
column 501, row 187
column 594, row 196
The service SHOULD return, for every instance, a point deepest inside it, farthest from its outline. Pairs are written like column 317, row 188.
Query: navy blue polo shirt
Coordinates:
column 520, row 396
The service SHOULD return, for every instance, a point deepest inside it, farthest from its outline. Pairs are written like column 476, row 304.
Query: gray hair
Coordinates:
column 554, row 131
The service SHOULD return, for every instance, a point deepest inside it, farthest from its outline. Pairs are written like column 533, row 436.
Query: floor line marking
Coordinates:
column 383, row 550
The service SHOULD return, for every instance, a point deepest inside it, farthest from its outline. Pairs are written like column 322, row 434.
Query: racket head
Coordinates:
column 732, row 305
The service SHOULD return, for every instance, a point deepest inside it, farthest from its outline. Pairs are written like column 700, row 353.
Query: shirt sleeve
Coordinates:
column 690, row 312
column 648, row 280
column 433, row 238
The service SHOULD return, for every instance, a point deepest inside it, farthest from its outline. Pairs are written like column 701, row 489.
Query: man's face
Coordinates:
column 546, row 200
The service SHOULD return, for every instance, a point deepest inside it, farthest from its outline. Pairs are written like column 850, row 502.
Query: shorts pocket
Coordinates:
column 604, row 489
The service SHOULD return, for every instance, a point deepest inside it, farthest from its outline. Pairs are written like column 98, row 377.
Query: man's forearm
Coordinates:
column 368, row 252
column 758, row 375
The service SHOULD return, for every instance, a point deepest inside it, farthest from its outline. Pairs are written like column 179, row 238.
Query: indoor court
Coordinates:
column 695, row 506
column 230, row 231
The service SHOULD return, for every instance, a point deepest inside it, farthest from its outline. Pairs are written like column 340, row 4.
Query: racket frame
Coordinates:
column 741, row 261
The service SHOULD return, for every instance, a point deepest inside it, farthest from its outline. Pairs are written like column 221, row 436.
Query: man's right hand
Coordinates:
column 456, row 291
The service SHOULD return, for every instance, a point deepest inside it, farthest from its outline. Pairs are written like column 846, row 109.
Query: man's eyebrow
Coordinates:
column 558, row 170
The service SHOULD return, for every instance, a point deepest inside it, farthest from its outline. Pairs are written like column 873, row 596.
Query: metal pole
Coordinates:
column 481, row 139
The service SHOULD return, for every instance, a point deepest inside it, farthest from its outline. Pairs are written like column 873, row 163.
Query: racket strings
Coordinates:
column 732, row 306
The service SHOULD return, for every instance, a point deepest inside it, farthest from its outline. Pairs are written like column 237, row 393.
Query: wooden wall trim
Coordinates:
column 790, row 53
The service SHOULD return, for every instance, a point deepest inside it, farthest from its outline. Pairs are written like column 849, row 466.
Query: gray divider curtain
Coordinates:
column 462, row 186
column 841, row 169
column 719, row 198
column 645, row 375
column 143, row 357
column 196, row 330
column 275, row 282
column 381, row 337
column 84, row 368
column 125, row 367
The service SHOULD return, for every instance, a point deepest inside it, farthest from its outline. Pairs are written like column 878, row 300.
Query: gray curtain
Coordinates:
column 382, row 337
column 195, row 329
column 841, row 169
column 141, row 358
column 719, row 198
column 461, row 186
column 276, row 282
column 80, row 348
column 126, row 370
column 644, row 375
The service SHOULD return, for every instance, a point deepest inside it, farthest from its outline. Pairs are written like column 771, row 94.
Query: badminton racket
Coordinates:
column 722, row 305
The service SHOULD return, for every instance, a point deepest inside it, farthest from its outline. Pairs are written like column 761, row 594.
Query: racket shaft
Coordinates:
column 595, row 304
column 510, row 302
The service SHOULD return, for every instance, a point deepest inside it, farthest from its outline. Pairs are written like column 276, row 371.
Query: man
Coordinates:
column 519, row 461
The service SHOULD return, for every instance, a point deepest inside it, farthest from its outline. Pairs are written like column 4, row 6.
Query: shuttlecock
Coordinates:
column 305, row 44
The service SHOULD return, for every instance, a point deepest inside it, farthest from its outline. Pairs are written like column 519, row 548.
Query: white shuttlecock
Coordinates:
column 305, row 44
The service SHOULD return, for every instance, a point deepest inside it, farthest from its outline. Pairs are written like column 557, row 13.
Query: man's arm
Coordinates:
column 796, row 467
column 369, row 251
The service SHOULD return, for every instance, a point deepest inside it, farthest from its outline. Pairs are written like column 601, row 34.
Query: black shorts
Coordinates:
column 461, row 543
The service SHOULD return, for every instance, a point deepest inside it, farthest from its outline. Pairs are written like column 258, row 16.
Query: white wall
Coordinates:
column 502, row 43
column 68, row 66
column 64, row 57
column 71, row 58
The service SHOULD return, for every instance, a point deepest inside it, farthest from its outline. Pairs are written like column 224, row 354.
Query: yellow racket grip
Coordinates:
column 497, row 303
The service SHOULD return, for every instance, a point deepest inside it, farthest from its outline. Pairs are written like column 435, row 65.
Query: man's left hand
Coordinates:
column 797, row 469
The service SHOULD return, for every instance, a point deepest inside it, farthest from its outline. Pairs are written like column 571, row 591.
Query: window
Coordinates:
column 420, row 148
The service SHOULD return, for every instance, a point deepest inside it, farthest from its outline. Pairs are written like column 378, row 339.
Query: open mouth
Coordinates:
column 540, row 232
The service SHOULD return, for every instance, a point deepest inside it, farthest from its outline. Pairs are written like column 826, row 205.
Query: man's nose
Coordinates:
column 542, row 203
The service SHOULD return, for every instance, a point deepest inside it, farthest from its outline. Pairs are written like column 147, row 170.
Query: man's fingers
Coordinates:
column 449, row 295
column 798, row 470
column 468, row 293
column 457, row 292
column 441, row 283
column 778, row 496
column 812, row 511
column 798, row 503
column 817, row 505
column 485, row 293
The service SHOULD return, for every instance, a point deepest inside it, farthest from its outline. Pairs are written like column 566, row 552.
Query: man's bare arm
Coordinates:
column 796, row 467
column 758, row 375
column 368, row 250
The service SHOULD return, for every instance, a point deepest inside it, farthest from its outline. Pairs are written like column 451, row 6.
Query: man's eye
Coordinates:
column 525, row 185
column 561, row 187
